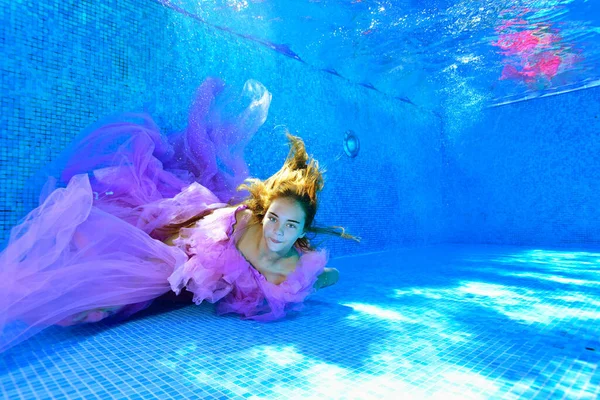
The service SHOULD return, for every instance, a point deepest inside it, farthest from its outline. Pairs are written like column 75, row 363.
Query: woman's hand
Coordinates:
column 328, row 277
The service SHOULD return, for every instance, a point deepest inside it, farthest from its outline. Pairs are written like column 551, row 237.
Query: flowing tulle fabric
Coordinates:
column 69, row 257
column 217, row 272
column 90, row 249
column 94, row 246
column 131, row 163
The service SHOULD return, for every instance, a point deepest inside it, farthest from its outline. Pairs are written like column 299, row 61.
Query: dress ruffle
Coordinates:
column 69, row 257
column 217, row 272
column 94, row 247
column 131, row 163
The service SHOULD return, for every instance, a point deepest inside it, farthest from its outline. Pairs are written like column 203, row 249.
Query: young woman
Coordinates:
column 144, row 214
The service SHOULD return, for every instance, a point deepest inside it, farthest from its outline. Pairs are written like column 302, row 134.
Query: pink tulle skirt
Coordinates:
column 90, row 249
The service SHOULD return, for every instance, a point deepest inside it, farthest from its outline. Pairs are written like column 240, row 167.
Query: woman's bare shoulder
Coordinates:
column 243, row 212
column 242, row 217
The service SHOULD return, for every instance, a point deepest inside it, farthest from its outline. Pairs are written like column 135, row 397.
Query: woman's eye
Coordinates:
column 292, row 225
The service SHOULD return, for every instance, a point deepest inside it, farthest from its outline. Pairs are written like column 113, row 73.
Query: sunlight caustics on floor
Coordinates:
column 441, row 322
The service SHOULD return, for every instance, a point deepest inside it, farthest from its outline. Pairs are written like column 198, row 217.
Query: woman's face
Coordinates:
column 283, row 224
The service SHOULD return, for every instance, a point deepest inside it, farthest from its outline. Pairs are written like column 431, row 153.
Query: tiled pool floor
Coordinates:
column 438, row 322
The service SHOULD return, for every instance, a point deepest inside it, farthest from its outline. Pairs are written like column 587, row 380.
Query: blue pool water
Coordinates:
column 475, row 191
column 464, row 322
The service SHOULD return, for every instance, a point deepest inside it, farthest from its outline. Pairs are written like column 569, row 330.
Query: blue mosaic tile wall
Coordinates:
column 64, row 65
column 68, row 64
column 527, row 173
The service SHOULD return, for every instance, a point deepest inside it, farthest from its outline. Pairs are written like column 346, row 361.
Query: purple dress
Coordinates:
column 92, row 248
column 217, row 272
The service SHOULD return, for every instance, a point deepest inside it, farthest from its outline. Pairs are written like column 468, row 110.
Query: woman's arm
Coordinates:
column 327, row 278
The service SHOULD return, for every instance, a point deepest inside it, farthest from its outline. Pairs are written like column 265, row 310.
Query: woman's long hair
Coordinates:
column 301, row 179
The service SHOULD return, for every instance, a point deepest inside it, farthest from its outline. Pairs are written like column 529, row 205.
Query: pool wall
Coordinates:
column 528, row 173
column 68, row 64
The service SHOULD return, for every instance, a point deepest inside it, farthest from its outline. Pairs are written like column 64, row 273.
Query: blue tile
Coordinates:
column 507, row 320
column 491, row 336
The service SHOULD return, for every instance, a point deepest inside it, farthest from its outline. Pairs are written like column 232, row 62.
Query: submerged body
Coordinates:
column 142, row 214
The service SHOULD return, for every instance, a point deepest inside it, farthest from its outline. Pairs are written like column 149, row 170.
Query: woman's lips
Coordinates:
column 275, row 241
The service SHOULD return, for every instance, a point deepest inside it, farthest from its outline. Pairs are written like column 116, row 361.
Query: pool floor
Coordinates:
column 463, row 322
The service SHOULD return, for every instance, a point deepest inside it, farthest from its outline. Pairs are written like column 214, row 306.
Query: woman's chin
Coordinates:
column 275, row 247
